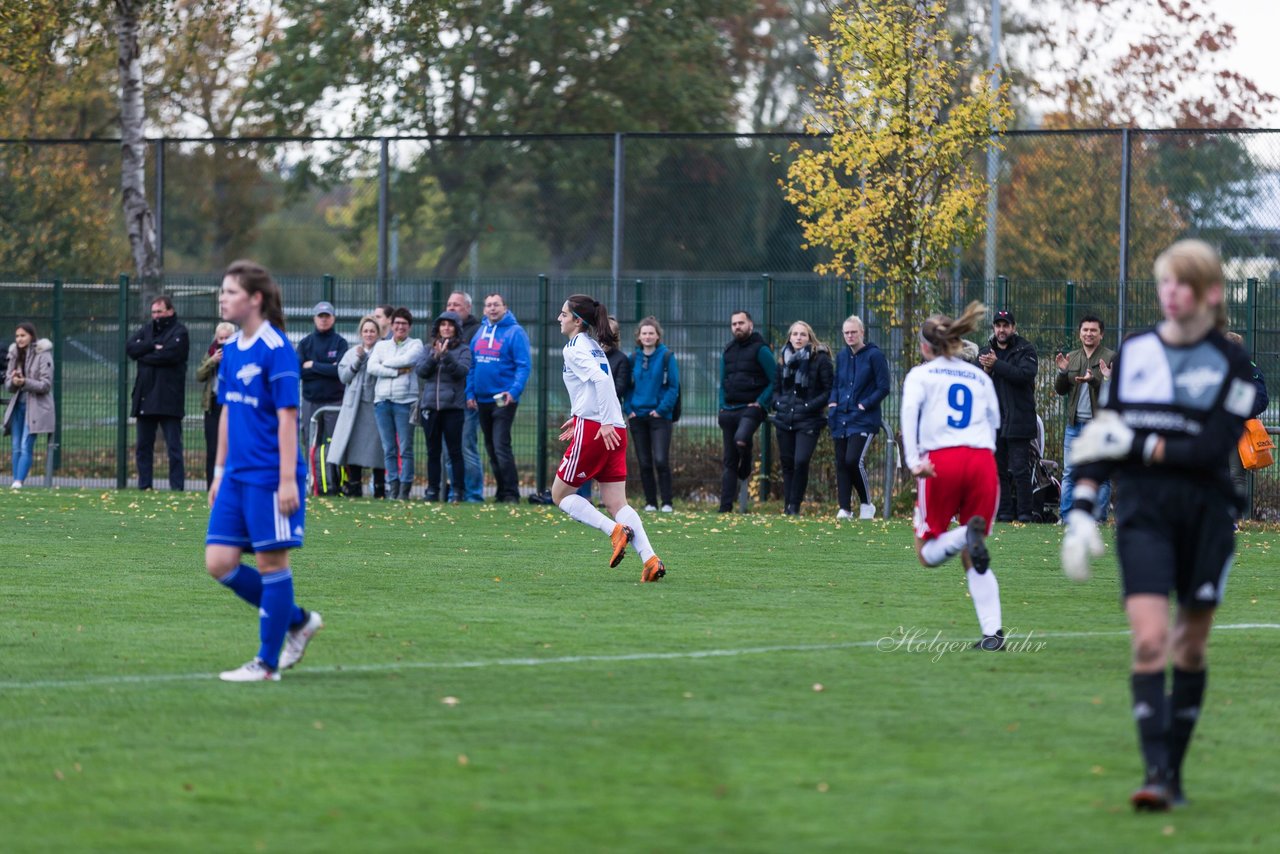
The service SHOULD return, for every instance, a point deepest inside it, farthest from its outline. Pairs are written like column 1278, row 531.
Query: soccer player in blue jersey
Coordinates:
column 256, row 499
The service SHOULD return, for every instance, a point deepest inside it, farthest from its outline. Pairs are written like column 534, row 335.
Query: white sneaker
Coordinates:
column 295, row 642
column 843, row 514
column 252, row 671
column 867, row 511
column 667, row 508
column 649, row 508
column 17, row 484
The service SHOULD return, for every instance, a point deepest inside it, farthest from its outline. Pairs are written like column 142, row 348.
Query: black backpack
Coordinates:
column 675, row 410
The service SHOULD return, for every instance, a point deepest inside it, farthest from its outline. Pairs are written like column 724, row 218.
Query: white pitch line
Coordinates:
column 391, row 667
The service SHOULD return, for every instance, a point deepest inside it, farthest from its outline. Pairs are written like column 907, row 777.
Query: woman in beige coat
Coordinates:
column 29, row 377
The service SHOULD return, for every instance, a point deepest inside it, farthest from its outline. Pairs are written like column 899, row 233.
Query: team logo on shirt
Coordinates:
column 1197, row 381
column 248, row 372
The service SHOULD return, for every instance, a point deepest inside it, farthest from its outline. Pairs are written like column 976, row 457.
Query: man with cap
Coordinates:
column 319, row 354
column 1011, row 361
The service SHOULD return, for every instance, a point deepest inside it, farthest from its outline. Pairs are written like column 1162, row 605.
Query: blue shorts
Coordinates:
column 246, row 516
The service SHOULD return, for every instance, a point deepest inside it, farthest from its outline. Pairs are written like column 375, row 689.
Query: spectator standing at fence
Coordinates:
column 442, row 369
column 28, row 377
column 472, row 490
column 861, row 383
column 161, row 349
column 501, row 365
column 804, row 382
column 1011, row 362
column 747, row 373
column 650, row 409
column 356, row 442
column 319, row 354
column 395, row 392
column 1239, row 475
column 207, row 373
column 1079, row 380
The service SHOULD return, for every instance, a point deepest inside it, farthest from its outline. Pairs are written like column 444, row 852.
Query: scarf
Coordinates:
column 795, row 365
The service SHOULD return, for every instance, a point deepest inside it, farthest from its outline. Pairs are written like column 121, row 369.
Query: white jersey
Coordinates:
column 586, row 376
column 947, row 403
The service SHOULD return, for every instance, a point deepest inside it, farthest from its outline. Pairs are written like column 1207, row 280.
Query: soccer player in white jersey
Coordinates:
column 256, row 499
column 950, row 415
column 597, row 434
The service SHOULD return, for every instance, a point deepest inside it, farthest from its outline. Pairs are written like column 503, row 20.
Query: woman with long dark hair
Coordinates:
column 442, row 369
column 30, row 412
column 257, row 497
column 597, row 435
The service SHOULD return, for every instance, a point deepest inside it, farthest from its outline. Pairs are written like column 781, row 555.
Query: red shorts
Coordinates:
column 966, row 485
column 587, row 457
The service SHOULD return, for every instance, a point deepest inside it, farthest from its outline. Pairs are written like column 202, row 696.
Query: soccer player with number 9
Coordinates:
column 950, row 415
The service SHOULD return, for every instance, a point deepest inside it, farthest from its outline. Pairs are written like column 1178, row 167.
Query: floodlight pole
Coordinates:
column 993, row 162
column 619, row 199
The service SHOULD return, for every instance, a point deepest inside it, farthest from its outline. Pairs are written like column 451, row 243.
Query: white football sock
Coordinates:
column 586, row 513
column 986, row 600
column 629, row 517
column 943, row 547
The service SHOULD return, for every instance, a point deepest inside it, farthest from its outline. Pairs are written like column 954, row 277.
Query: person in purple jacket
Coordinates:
column 861, row 383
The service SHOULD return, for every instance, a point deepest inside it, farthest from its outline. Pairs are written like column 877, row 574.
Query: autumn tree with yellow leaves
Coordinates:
column 895, row 188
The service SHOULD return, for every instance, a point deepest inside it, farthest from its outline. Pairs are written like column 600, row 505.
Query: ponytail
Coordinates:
column 594, row 316
column 255, row 279
column 945, row 335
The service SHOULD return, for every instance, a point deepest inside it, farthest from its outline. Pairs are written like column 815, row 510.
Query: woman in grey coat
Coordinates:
column 29, row 378
column 356, row 443
column 442, row 369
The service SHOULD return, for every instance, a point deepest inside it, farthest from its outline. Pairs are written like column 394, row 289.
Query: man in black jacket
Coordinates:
column 319, row 354
column 160, row 391
column 1011, row 362
column 746, row 386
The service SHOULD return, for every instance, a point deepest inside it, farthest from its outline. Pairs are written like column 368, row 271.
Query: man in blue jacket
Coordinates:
column 747, row 371
column 861, row 383
column 500, row 369
column 319, row 354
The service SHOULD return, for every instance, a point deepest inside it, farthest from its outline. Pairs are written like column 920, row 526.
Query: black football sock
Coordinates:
column 1150, row 713
column 1184, row 710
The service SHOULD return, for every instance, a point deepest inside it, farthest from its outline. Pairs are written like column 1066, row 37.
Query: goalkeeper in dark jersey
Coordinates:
column 1179, row 395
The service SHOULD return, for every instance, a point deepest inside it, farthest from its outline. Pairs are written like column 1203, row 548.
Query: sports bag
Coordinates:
column 1255, row 446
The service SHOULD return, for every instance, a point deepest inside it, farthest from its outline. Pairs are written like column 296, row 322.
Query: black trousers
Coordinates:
column 211, row 419
column 143, row 455
column 738, row 426
column 851, row 470
column 495, row 422
column 795, row 447
column 1013, row 462
column 444, row 429
column 652, row 440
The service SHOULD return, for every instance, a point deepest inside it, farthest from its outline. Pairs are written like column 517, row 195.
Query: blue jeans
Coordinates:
column 1069, row 435
column 24, row 442
column 397, row 439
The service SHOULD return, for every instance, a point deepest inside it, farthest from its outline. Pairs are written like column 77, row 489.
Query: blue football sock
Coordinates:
column 246, row 583
column 274, row 614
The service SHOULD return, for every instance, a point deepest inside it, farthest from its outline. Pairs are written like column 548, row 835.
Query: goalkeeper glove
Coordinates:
column 1080, row 544
column 1107, row 437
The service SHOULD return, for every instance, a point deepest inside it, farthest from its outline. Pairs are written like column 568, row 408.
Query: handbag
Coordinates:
column 1255, row 446
column 415, row 414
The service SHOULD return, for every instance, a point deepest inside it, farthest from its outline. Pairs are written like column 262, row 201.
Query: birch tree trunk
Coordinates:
column 139, row 220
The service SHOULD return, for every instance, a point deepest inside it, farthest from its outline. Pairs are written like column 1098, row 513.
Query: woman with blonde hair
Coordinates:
column 356, row 443
column 803, row 384
column 861, row 383
column 650, row 408
column 207, row 374
column 1180, row 393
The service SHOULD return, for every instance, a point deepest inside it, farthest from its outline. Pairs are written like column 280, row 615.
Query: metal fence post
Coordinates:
column 384, row 203
column 53, row 444
column 326, row 288
column 1251, row 338
column 122, row 385
column 766, row 435
column 619, row 202
column 1122, row 291
column 1002, row 292
column 639, row 300
column 544, row 358
column 159, row 208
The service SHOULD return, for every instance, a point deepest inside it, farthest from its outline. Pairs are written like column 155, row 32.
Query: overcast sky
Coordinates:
column 1257, row 24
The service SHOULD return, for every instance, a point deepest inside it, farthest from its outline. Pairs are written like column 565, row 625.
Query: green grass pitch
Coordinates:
column 486, row 683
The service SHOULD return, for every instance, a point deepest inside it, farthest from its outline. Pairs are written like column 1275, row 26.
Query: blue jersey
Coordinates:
column 257, row 376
